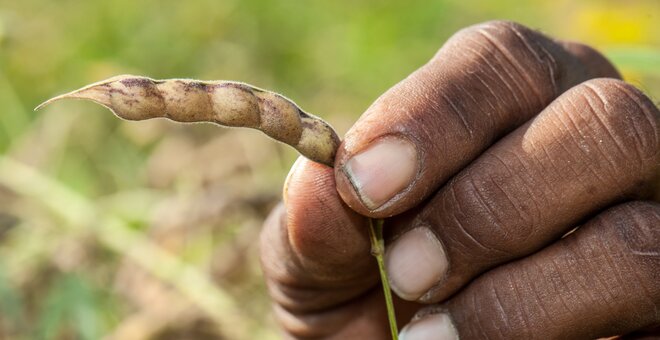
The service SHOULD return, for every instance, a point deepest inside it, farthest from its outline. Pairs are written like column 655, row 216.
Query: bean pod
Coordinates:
column 225, row 103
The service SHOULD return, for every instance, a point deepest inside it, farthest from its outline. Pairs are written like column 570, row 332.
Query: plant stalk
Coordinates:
column 378, row 250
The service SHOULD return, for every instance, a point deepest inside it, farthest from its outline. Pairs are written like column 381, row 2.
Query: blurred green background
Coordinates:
column 149, row 230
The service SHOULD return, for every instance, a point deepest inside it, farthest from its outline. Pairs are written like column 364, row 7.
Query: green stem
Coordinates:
column 378, row 250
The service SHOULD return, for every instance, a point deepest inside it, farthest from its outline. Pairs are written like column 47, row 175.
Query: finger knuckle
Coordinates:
column 634, row 241
column 500, row 293
column 637, row 225
column 489, row 215
column 297, row 298
column 300, row 326
column 502, row 30
column 624, row 120
column 518, row 58
column 594, row 63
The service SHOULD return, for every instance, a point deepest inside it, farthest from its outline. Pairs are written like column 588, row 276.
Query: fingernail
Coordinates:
column 434, row 326
column 382, row 170
column 415, row 263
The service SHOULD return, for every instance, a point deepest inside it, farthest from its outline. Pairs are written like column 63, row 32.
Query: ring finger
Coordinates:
column 601, row 280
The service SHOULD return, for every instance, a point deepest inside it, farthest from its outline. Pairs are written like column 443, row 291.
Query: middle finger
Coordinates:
column 593, row 145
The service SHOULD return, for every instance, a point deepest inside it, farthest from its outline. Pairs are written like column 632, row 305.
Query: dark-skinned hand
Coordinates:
column 515, row 174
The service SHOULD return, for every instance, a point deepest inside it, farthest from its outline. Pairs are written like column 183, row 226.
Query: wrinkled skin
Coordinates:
column 533, row 175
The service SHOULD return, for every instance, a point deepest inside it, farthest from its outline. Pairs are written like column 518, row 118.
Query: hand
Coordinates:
column 511, row 179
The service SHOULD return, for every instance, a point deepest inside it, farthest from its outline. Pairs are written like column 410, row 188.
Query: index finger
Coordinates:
column 484, row 82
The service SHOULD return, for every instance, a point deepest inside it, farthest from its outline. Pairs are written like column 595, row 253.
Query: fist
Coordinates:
column 515, row 174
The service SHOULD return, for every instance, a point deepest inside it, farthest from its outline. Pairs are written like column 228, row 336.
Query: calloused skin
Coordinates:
column 520, row 140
